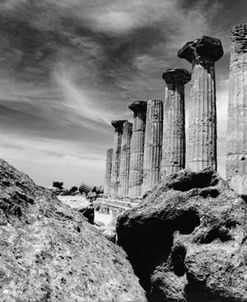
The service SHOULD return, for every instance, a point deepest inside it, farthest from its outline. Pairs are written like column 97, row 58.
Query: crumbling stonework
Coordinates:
column 125, row 160
column 118, row 125
column 153, row 144
column 137, row 148
column 202, row 135
column 173, row 151
column 108, row 170
column 236, row 163
column 51, row 253
column 187, row 240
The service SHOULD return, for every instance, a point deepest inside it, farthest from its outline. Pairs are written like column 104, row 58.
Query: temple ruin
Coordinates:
column 118, row 126
column 236, row 163
column 137, row 148
column 108, row 171
column 202, row 135
column 124, row 168
column 155, row 146
column 173, row 152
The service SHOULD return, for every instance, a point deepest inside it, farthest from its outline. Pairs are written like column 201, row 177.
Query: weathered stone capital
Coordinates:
column 138, row 106
column 203, row 49
column 239, row 38
column 118, row 125
column 176, row 76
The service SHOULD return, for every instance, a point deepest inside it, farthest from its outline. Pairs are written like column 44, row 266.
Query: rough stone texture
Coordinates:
column 137, row 148
column 153, row 144
column 187, row 240
column 202, row 135
column 236, row 164
column 173, row 151
column 123, row 189
column 108, row 170
column 49, row 252
column 116, row 157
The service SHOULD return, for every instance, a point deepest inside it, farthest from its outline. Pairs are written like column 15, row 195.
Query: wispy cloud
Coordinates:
column 68, row 67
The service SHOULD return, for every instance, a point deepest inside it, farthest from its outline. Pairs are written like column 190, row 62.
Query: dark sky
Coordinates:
column 68, row 67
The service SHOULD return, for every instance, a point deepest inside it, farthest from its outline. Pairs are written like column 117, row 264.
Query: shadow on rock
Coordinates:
column 187, row 240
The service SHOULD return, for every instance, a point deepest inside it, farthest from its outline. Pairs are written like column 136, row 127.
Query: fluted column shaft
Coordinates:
column 118, row 125
column 125, row 160
column 236, row 163
column 173, row 151
column 108, row 170
column 153, row 144
column 202, row 135
column 137, row 148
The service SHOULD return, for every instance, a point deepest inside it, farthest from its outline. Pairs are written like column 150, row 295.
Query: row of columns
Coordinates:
column 157, row 147
column 236, row 161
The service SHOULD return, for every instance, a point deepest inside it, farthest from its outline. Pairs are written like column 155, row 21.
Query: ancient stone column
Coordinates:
column 173, row 151
column 201, row 143
column 118, row 125
column 137, row 148
column 236, row 163
column 153, row 144
column 125, row 160
column 108, row 169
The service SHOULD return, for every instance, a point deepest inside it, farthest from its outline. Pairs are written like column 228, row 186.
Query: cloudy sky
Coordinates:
column 68, row 67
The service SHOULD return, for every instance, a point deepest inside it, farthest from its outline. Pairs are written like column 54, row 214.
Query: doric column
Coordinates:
column 201, row 143
column 137, row 148
column 236, row 163
column 108, row 169
column 125, row 160
column 118, row 125
column 173, row 151
column 153, row 144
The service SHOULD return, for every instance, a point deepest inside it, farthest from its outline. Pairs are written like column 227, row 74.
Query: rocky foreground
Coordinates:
column 187, row 241
column 49, row 252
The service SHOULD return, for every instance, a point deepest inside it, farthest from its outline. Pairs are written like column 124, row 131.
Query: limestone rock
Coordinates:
column 187, row 240
column 152, row 144
column 137, row 148
column 201, row 142
column 207, row 47
column 173, row 149
column 49, row 252
column 236, row 162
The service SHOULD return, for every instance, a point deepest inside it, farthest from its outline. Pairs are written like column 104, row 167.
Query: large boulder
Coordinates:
column 187, row 240
column 49, row 252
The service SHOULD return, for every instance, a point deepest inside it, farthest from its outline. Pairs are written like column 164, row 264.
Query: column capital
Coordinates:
column 138, row 106
column 203, row 49
column 118, row 125
column 176, row 76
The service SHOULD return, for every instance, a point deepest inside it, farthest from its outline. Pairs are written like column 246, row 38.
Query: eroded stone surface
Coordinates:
column 187, row 240
column 202, row 131
column 153, row 144
column 176, row 76
column 205, row 47
column 137, row 148
column 108, row 171
column 236, row 164
column 49, row 252
column 124, row 169
column 116, row 157
column 173, row 150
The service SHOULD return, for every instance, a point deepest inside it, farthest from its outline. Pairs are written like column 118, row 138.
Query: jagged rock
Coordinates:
column 187, row 240
column 88, row 212
column 49, row 252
